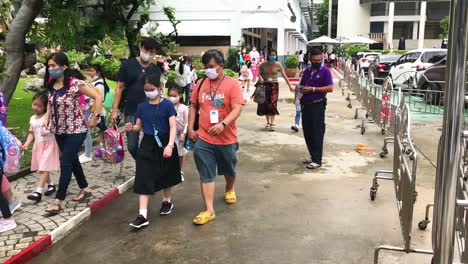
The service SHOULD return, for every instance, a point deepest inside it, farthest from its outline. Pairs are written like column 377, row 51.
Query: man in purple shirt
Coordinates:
column 316, row 82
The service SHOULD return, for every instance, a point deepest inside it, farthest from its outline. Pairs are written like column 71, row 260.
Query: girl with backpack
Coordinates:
column 246, row 76
column 45, row 151
column 175, row 96
column 99, row 81
column 157, row 160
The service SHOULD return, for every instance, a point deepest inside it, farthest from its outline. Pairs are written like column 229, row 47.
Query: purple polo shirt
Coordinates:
column 320, row 78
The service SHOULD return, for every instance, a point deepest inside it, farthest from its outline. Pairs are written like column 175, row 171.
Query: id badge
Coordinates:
column 270, row 79
column 214, row 116
column 156, row 137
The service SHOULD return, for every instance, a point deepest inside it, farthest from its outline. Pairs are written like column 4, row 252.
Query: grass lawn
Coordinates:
column 19, row 113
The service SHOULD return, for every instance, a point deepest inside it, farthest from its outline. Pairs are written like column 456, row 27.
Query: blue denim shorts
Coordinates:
column 212, row 160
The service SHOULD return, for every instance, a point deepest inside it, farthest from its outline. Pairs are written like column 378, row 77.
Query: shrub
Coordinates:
column 231, row 60
column 76, row 57
column 291, row 62
column 171, row 76
column 231, row 73
column 197, row 63
column 110, row 67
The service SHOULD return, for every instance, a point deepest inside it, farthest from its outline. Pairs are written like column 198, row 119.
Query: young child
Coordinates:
column 175, row 96
column 157, row 162
column 45, row 151
column 246, row 76
column 297, row 103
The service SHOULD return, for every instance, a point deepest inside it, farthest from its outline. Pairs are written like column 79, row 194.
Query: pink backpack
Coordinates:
column 111, row 146
column 10, row 154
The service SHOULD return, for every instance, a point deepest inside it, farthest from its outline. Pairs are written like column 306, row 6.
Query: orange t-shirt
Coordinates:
column 229, row 93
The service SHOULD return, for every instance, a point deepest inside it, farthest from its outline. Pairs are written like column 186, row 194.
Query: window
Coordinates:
column 433, row 56
column 412, row 57
column 204, row 40
column 401, row 60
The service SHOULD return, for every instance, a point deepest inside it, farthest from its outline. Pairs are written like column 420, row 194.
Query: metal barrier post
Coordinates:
column 447, row 173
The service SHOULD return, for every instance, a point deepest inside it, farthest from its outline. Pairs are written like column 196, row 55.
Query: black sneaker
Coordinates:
column 139, row 222
column 50, row 189
column 35, row 196
column 166, row 208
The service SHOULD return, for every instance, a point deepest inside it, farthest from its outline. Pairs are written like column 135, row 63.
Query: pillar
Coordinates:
column 391, row 14
column 422, row 24
column 280, row 41
column 330, row 4
column 415, row 30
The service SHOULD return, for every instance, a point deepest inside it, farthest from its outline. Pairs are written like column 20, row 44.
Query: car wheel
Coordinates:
column 433, row 94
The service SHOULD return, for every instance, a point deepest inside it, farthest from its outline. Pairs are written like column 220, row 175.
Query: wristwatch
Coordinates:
column 171, row 146
column 224, row 124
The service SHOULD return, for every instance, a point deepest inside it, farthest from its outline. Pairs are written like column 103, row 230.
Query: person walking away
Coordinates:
column 65, row 119
column 99, row 81
column 182, row 77
column 175, row 96
column 157, row 161
column 45, row 151
column 316, row 82
column 268, row 75
column 129, row 92
column 300, row 56
column 306, row 59
column 246, row 76
column 219, row 100
column 333, row 60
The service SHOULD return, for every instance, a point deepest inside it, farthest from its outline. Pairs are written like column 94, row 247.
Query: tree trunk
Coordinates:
column 131, row 40
column 15, row 43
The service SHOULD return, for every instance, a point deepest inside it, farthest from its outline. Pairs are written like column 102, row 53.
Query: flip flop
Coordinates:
column 203, row 218
column 230, row 198
column 53, row 212
column 84, row 196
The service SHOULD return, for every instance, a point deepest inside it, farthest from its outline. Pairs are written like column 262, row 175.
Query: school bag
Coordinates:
column 110, row 146
column 108, row 97
column 3, row 110
column 10, row 155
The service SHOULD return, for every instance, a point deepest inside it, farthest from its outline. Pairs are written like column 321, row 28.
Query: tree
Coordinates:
column 444, row 24
column 322, row 18
column 15, row 45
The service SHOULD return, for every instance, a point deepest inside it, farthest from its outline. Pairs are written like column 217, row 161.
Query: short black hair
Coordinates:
column 215, row 54
column 153, row 78
column 42, row 96
column 315, row 52
column 149, row 44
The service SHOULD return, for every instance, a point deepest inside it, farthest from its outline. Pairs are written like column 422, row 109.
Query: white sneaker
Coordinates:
column 182, row 176
column 83, row 158
column 7, row 224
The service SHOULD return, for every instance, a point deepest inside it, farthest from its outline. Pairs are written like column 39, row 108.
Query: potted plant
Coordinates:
column 292, row 62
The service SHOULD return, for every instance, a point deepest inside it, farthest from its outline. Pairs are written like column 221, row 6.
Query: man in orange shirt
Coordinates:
column 219, row 101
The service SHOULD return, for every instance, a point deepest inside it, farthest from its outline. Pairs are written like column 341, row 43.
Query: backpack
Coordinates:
column 259, row 96
column 3, row 110
column 111, row 146
column 10, row 154
column 245, row 71
column 108, row 96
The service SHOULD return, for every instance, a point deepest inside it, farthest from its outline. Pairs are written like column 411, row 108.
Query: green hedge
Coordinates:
column 110, row 67
column 291, row 62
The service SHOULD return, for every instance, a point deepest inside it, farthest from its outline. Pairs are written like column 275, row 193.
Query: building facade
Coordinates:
column 385, row 21
column 283, row 25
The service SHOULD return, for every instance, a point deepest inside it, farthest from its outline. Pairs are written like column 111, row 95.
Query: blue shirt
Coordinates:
column 320, row 78
column 156, row 114
column 131, row 74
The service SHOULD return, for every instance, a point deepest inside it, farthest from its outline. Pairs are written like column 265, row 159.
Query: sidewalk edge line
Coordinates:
column 126, row 185
column 68, row 226
column 31, row 251
column 103, row 201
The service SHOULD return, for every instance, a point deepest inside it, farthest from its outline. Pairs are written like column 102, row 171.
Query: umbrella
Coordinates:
column 323, row 40
column 402, row 44
column 359, row 40
column 444, row 44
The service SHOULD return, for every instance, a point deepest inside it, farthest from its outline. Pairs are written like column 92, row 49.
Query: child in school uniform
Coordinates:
column 157, row 162
column 45, row 151
column 175, row 96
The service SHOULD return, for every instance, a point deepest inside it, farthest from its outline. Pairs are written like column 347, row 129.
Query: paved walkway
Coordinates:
column 32, row 220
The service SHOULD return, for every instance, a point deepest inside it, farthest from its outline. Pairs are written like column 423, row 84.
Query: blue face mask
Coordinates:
column 273, row 58
column 56, row 73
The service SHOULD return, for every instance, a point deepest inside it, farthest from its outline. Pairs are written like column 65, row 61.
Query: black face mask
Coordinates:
column 316, row 65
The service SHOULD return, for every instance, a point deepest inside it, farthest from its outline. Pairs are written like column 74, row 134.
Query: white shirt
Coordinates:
column 182, row 79
column 332, row 56
column 102, row 90
column 36, row 126
column 254, row 55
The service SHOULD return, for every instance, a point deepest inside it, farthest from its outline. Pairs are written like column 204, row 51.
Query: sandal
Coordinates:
column 54, row 211
column 313, row 166
column 203, row 218
column 82, row 195
column 230, row 198
column 267, row 127
column 272, row 127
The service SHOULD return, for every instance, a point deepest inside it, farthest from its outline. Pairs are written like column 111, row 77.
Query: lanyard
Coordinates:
column 213, row 95
column 155, row 114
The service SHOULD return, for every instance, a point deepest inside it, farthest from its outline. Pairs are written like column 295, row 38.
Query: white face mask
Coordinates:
column 174, row 99
column 211, row 73
column 152, row 94
column 145, row 57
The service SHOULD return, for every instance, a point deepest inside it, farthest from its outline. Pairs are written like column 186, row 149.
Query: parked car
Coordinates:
column 380, row 67
column 409, row 67
column 364, row 60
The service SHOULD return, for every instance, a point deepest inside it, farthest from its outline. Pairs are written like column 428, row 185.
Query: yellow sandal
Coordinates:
column 230, row 198
column 203, row 218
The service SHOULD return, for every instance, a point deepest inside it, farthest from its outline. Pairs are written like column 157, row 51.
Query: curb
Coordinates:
column 55, row 235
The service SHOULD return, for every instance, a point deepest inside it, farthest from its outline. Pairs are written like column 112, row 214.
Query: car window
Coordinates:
column 371, row 57
column 412, row 57
column 401, row 59
column 389, row 58
column 433, row 56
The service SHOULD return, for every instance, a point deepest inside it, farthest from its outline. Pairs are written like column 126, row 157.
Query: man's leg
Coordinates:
column 132, row 137
column 226, row 160
column 205, row 160
column 208, row 189
column 318, row 132
column 307, row 126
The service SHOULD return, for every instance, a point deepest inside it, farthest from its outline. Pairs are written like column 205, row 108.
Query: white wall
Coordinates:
column 353, row 19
